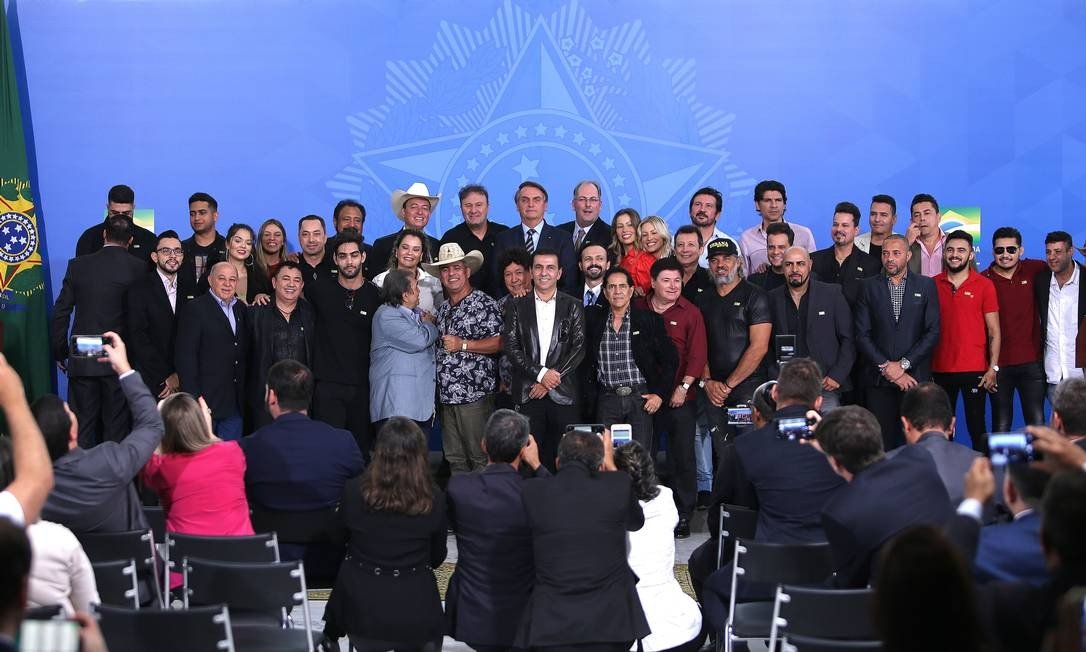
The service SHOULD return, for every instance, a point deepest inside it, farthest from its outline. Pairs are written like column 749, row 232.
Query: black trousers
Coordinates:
column 885, row 404
column 586, row 647
column 100, row 407
column 612, row 408
column 680, row 424
column 345, row 406
column 1030, row 382
column 549, row 420
column 974, row 398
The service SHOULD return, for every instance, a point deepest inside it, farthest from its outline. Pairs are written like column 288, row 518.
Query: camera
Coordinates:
column 1011, row 448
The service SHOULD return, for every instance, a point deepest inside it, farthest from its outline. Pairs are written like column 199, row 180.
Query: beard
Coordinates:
column 724, row 279
column 957, row 269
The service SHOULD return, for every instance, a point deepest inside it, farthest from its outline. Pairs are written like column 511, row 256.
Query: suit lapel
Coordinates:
column 159, row 292
column 530, row 323
column 220, row 316
column 554, row 330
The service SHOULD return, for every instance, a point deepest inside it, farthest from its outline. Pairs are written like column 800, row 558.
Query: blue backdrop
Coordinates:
column 279, row 109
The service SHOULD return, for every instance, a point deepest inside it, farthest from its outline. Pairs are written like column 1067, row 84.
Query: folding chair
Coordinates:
column 839, row 614
column 260, row 596
column 769, row 563
column 254, row 548
column 735, row 523
column 116, row 582
column 199, row 628
column 797, row 643
column 45, row 612
column 157, row 518
column 137, row 545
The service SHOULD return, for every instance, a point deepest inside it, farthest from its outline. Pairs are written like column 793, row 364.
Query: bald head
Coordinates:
column 223, row 279
column 797, row 267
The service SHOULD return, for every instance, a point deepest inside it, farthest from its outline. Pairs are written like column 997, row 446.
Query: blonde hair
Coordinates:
column 662, row 230
column 186, row 429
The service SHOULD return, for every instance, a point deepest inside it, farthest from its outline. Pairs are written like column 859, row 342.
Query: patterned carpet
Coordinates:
column 444, row 572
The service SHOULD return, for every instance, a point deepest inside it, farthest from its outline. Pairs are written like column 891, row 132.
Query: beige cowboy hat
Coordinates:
column 417, row 189
column 450, row 253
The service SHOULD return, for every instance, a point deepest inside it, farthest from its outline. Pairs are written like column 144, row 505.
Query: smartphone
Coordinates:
column 1011, row 448
column 786, row 348
column 597, row 428
column 54, row 635
column 740, row 415
column 621, row 433
column 88, row 346
column 795, row 428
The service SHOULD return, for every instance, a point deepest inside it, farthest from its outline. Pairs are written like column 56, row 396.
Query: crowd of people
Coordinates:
column 337, row 361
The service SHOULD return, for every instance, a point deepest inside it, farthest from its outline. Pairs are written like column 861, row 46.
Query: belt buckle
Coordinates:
column 623, row 391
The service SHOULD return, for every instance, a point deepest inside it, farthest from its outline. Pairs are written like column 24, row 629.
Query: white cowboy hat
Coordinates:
column 450, row 253
column 417, row 189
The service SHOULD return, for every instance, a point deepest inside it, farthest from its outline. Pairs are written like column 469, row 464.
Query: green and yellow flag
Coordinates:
column 24, row 324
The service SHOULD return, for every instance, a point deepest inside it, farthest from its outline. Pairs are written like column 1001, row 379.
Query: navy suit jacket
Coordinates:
column 1012, row 552
column 882, row 500
column 599, row 233
column 495, row 570
column 952, row 461
column 828, row 331
column 209, row 358
column 549, row 238
column 914, row 335
column 297, row 464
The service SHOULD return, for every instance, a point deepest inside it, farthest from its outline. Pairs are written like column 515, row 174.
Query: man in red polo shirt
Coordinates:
column 966, row 357
column 1020, row 364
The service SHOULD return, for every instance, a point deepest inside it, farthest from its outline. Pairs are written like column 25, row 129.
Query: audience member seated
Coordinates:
column 385, row 595
column 584, row 595
column 1069, row 410
column 928, row 420
column 924, row 597
column 14, row 574
column 94, row 490
column 21, row 499
column 296, row 464
column 674, row 618
column 60, row 572
column 883, row 496
column 788, row 483
column 494, row 567
column 1012, row 551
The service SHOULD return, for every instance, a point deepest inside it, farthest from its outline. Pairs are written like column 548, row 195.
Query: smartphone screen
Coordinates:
column 54, row 635
column 621, row 433
column 1010, row 448
column 87, row 346
column 740, row 415
column 793, row 428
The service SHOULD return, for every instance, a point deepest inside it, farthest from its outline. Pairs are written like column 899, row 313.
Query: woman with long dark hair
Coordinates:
column 386, row 596
column 626, row 247
column 674, row 618
column 253, row 285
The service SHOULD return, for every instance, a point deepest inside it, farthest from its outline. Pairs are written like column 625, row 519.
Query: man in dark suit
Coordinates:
column 788, row 483
column 1061, row 303
column 94, row 491
column 928, row 421
column 630, row 363
column 94, row 287
column 211, row 350
column 543, row 339
column 477, row 233
column 533, row 233
column 818, row 320
column 1069, row 410
column 883, row 496
column 897, row 328
column 593, row 261
column 584, row 595
column 844, row 263
column 1012, row 551
column 151, row 317
column 120, row 201
column 413, row 207
column 586, row 225
column 494, row 569
column 295, row 469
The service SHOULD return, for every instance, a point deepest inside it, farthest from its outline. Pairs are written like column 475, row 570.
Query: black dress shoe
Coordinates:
column 682, row 530
column 703, row 499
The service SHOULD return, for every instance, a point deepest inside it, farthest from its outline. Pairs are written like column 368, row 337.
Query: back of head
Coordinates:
column 396, row 284
column 54, row 423
column 398, row 478
column 119, row 229
column 927, row 407
column 505, row 435
column 15, row 553
column 851, row 436
column 799, row 383
column 1069, row 402
column 1063, row 521
column 637, row 463
column 186, row 429
column 924, row 595
column 762, row 401
column 1029, row 482
column 292, row 383
column 583, row 447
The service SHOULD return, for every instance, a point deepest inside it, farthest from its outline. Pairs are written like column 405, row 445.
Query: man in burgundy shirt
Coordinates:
column 965, row 359
column 1021, row 367
column 678, row 416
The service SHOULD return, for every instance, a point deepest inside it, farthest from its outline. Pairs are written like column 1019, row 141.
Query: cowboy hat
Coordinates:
column 417, row 189
column 450, row 253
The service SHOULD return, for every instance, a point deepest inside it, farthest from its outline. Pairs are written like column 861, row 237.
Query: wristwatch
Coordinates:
column 685, row 386
column 701, row 383
column 463, row 345
column 995, row 368
column 905, row 364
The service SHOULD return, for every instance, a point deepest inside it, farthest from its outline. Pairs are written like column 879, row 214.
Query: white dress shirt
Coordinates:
column 1062, row 329
column 544, row 323
column 171, row 288
column 717, row 233
column 538, row 228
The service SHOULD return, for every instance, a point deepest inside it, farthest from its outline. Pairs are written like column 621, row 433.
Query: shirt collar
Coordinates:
column 219, row 301
column 539, row 299
column 538, row 228
column 1052, row 282
column 1024, row 513
column 165, row 280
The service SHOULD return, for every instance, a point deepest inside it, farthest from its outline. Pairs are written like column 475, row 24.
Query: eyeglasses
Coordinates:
column 1011, row 250
column 166, row 251
column 588, row 200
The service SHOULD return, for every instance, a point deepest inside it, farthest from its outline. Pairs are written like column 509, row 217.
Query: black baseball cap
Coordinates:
column 721, row 247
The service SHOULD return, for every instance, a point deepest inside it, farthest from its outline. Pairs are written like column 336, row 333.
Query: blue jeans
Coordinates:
column 227, row 429
column 703, row 447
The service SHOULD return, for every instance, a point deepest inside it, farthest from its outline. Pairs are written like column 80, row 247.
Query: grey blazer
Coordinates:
column 402, row 365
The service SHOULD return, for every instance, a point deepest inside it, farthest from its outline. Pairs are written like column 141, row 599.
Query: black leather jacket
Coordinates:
column 520, row 338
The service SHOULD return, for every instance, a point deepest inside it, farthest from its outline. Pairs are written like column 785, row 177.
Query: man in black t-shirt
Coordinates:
column 344, row 308
column 738, row 326
column 120, row 201
column 206, row 246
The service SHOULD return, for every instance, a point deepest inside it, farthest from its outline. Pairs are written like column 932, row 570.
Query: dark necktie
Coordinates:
column 529, row 241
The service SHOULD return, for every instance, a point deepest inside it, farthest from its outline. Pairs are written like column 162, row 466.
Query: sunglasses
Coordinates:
column 1011, row 250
